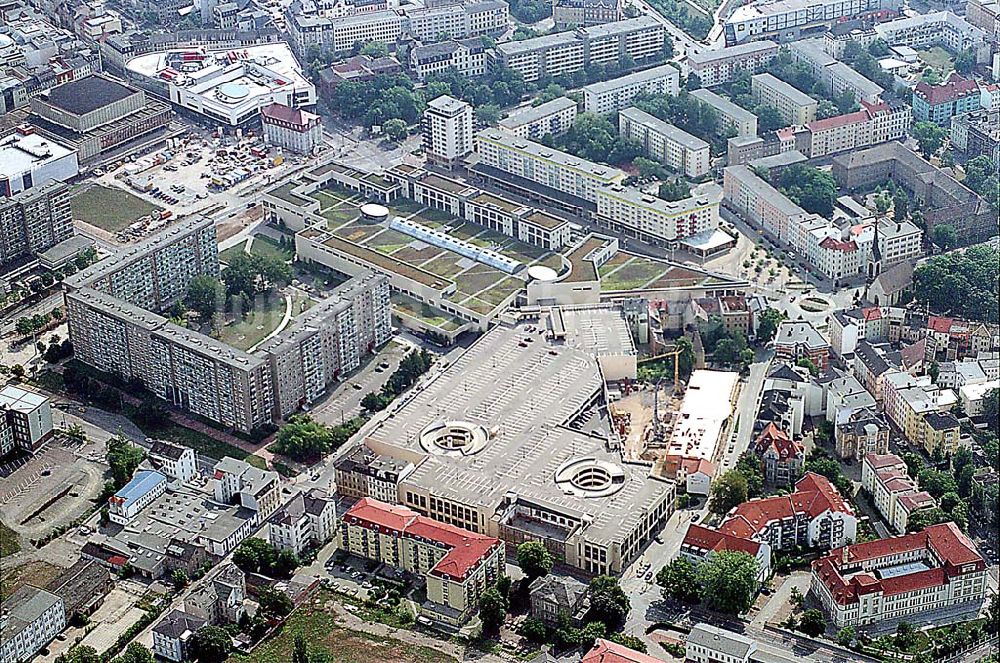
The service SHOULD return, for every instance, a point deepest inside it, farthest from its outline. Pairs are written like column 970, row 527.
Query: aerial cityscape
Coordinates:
column 541, row 331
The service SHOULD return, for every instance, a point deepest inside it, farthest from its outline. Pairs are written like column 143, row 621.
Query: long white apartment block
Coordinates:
column 721, row 66
column 651, row 219
column 795, row 106
column 636, row 39
column 613, row 95
column 731, row 116
column 664, row 142
column 553, row 117
column 835, row 76
column 545, row 165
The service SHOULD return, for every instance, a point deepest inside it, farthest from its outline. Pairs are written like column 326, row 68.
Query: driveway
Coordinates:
column 779, row 604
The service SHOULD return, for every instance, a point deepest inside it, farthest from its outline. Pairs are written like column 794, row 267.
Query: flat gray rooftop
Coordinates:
column 530, row 390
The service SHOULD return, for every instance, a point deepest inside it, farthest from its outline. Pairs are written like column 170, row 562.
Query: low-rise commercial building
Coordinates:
column 896, row 496
column 890, row 579
column 28, row 159
column 664, row 142
column 795, row 107
column 97, row 115
column 617, row 93
column 789, row 20
column 135, row 496
column 553, row 117
column 457, row 564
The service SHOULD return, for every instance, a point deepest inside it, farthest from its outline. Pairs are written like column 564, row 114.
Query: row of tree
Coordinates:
column 306, row 440
column 726, row 582
column 413, row 365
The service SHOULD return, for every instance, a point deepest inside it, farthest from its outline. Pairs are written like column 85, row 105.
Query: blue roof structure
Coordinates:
column 463, row 248
column 143, row 482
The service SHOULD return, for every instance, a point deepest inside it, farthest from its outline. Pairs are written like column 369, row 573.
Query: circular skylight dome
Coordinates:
column 233, row 92
column 454, row 438
column 589, row 477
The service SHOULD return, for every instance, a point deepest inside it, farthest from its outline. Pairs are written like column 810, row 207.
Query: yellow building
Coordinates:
column 941, row 431
column 457, row 564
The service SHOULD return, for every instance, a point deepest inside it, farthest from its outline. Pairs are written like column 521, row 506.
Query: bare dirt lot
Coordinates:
column 49, row 491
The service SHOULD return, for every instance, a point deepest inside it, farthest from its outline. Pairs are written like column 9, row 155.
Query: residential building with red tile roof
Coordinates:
column 457, row 564
column 700, row 543
column 937, row 569
column 781, row 457
column 894, row 493
column 814, row 516
column 605, row 651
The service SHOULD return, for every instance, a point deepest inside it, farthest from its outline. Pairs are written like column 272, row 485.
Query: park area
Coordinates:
column 109, row 208
column 937, row 58
column 317, row 621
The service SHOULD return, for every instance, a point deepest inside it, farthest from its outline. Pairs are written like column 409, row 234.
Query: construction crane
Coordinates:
column 675, row 352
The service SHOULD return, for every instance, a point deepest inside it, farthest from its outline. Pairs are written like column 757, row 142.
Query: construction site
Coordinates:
column 680, row 428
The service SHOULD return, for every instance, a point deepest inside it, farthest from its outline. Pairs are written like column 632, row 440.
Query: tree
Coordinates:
column 630, row 641
column 692, row 83
column 768, row 118
column 945, row 236
column 728, row 491
column 813, row 189
column 675, row 189
column 906, row 635
column 492, row 610
column 929, row 137
column 812, row 622
column 123, row 458
column 608, row 602
column 179, row 579
column 76, row 433
column 679, row 580
column 303, row 438
column 285, row 563
column 749, row 467
column 375, row 402
column 135, row 653
column 965, row 61
column 81, row 654
column 300, row 653
column 937, row 482
column 808, row 364
column 845, row 636
column 534, row 559
column 900, row 204
column 394, row 129
column 254, row 555
column 205, row 296
column 961, row 283
column 375, row 49
column 210, row 644
column 729, row 581
column 991, row 405
column 770, row 319
column 274, row 602
column 534, row 630
column 488, row 114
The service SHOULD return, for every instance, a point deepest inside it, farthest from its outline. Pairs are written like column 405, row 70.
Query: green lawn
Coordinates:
column 109, row 208
column 265, row 246
column 228, row 254
column 938, row 58
column 423, row 312
column 634, row 274
column 256, row 325
column 316, row 621
column 9, row 543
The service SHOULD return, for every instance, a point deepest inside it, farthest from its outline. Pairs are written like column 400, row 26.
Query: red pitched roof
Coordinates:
column 718, row 541
column 938, row 324
column 285, row 113
column 605, row 651
column 467, row 548
column 838, row 121
column 953, row 88
column 838, row 245
column 881, row 461
column 774, row 438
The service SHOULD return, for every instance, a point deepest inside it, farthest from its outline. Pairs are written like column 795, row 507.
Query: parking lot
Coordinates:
column 344, row 402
